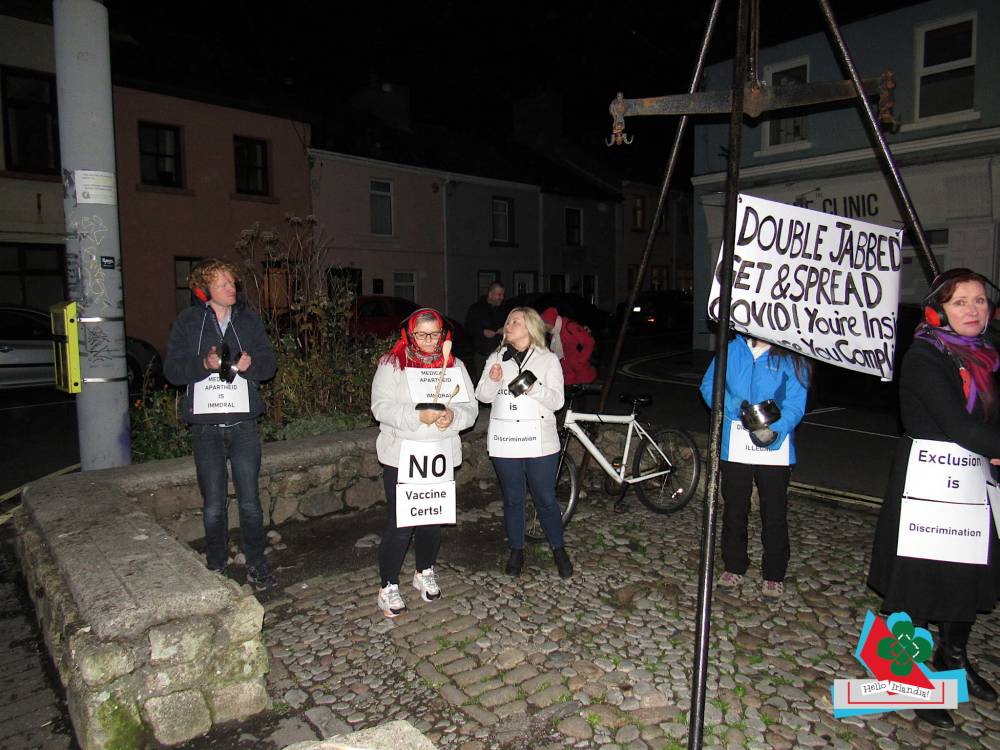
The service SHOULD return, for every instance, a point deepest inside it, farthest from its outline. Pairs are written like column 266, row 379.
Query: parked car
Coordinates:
column 26, row 351
column 569, row 304
column 659, row 312
column 380, row 316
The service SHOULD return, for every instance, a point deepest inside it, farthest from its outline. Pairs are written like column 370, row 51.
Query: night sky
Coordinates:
column 464, row 62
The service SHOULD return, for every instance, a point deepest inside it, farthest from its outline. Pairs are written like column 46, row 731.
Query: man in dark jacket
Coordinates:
column 220, row 351
column 484, row 322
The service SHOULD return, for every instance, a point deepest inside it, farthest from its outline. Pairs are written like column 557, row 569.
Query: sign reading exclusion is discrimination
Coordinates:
column 821, row 285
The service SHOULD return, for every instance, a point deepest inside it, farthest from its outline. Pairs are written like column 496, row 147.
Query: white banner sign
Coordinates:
column 944, row 531
column 743, row 451
column 425, row 462
column 506, row 406
column 422, row 384
column 214, row 396
column 509, row 439
column 425, row 504
column 945, row 472
column 822, row 285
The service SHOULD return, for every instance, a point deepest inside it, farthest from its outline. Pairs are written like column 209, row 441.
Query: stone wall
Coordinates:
column 148, row 643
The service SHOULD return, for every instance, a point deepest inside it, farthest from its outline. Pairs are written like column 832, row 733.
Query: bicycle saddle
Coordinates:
column 637, row 400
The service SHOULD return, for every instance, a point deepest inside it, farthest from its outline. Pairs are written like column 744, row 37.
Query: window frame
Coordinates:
column 265, row 168
column 192, row 261
column 766, row 147
column 387, row 194
column 638, row 213
column 509, row 224
column 178, row 156
column 53, row 110
column 919, row 71
column 567, row 211
column 396, row 285
column 23, row 270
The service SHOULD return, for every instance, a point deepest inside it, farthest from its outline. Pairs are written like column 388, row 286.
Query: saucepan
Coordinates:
column 522, row 383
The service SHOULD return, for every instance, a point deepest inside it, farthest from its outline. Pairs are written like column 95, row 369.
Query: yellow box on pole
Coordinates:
column 66, row 347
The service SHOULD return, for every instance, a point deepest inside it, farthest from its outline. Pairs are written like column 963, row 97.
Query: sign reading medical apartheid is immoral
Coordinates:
column 819, row 284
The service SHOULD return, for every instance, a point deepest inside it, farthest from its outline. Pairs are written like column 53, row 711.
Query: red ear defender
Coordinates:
column 201, row 294
column 934, row 317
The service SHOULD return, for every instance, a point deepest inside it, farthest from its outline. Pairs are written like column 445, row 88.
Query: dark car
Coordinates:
column 659, row 312
column 26, row 351
column 571, row 305
column 380, row 316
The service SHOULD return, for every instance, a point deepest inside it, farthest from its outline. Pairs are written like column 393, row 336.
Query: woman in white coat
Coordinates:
column 405, row 430
column 523, row 440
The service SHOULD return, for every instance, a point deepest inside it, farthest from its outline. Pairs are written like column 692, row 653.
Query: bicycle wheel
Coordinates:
column 567, row 492
column 678, row 455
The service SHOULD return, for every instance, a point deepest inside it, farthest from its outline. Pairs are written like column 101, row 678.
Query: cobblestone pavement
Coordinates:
column 32, row 714
column 601, row 660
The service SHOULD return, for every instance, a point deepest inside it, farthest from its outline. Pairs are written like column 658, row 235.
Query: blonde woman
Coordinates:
column 523, row 381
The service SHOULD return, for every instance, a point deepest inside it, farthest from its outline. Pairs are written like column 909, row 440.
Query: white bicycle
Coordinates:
column 665, row 467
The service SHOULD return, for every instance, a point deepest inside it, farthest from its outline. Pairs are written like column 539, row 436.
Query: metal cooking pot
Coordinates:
column 758, row 416
column 522, row 383
column 430, row 405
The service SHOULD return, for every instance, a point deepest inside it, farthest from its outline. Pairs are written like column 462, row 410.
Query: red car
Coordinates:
column 380, row 316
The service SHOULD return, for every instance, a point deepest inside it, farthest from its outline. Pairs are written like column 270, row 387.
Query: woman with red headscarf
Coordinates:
column 421, row 397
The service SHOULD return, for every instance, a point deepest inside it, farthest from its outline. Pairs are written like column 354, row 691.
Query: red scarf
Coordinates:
column 406, row 353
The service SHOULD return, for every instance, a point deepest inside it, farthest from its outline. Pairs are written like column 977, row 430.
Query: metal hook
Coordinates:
column 618, row 134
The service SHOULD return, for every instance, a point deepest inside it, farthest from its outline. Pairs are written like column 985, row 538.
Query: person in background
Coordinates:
column 220, row 351
column 756, row 372
column 484, row 322
column 522, row 438
column 573, row 344
column 419, row 346
column 948, row 395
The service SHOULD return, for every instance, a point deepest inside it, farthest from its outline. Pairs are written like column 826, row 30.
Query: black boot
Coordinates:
column 935, row 716
column 515, row 562
column 563, row 565
column 951, row 654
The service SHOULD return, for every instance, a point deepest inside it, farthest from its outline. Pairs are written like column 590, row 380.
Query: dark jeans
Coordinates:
column 395, row 540
column 241, row 445
column 540, row 474
column 772, row 487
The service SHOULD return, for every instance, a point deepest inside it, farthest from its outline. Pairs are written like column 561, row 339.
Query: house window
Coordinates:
column 380, row 200
column 251, row 166
column 946, row 66
column 503, row 220
column 183, row 298
column 590, row 288
column 404, row 284
column 31, row 131
column 557, row 282
column 638, row 213
column 658, row 278
column 484, row 279
column 31, row 274
column 574, row 227
column 160, row 155
column 786, row 130
column 378, row 286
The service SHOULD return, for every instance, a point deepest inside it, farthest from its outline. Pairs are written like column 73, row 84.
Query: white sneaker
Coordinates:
column 426, row 583
column 390, row 602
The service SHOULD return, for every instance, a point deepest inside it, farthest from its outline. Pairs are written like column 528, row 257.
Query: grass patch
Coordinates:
column 593, row 720
column 739, row 691
column 443, row 642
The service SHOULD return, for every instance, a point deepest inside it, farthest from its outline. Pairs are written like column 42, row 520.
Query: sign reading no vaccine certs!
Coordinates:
column 822, row 285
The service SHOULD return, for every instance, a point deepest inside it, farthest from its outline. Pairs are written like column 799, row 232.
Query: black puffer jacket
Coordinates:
column 195, row 332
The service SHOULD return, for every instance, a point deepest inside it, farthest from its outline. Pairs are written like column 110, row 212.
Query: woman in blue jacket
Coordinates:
column 758, row 371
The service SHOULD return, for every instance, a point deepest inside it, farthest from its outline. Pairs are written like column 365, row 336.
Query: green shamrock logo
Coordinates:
column 907, row 648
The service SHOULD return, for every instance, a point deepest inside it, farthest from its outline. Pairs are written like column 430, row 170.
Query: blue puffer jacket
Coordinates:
column 754, row 381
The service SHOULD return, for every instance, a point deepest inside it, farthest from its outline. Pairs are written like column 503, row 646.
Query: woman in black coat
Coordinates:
column 947, row 394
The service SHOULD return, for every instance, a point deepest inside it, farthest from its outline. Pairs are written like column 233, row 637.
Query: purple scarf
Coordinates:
column 976, row 359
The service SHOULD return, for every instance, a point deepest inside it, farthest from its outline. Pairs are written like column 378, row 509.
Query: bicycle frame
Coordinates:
column 571, row 424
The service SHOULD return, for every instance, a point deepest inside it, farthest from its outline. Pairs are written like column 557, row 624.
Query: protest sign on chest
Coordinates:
column 508, row 406
column 425, row 462
column 215, row 396
column 424, row 382
column 819, row 284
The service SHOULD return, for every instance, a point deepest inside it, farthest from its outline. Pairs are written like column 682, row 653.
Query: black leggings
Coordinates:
column 772, row 487
column 395, row 541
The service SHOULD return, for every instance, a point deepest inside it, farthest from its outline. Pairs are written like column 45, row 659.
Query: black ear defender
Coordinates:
column 404, row 326
column 934, row 313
